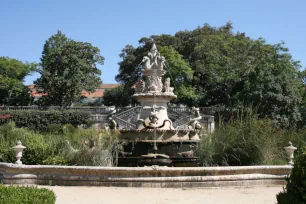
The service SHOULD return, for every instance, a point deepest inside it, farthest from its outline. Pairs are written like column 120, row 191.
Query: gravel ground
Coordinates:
column 113, row 195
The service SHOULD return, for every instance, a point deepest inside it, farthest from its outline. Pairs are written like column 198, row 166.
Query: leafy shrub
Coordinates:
column 56, row 160
column 38, row 146
column 248, row 141
column 40, row 120
column 26, row 195
column 295, row 191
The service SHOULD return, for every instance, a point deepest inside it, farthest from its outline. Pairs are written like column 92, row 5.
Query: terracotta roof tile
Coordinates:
column 109, row 86
column 96, row 94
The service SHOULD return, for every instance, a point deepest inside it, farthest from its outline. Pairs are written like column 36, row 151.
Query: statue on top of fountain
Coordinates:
column 153, row 60
column 153, row 71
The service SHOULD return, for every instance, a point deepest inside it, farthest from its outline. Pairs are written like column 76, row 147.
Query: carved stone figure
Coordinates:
column 160, row 61
column 153, row 119
column 167, row 87
column 140, row 86
column 153, row 56
column 153, row 60
column 194, row 123
column 154, row 83
column 112, row 124
column 147, row 62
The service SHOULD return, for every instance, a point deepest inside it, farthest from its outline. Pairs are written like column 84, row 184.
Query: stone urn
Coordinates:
column 290, row 152
column 18, row 150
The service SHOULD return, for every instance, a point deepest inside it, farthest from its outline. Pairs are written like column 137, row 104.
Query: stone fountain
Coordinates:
column 155, row 141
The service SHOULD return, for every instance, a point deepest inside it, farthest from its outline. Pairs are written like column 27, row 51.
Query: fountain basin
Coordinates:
column 174, row 177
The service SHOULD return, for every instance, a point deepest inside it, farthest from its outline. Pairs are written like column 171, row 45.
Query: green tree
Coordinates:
column 235, row 70
column 119, row 96
column 67, row 68
column 229, row 69
column 12, row 74
column 181, row 75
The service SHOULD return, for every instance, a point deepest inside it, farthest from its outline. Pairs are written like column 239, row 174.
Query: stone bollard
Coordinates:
column 290, row 152
column 18, row 150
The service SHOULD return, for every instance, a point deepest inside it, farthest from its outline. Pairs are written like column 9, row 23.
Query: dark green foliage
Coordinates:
column 56, row 160
column 40, row 120
column 12, row 74
column 26, row 195
column 295, row 190
column 67, row 68
column 213, row 66
column 119, row 96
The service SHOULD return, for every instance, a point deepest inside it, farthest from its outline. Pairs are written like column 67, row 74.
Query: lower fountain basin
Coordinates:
column 154, row 159
column 179, row 153
column 161, row 177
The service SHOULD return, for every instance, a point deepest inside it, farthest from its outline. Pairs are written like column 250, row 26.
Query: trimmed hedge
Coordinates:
column 26, row 195
column 40, row 120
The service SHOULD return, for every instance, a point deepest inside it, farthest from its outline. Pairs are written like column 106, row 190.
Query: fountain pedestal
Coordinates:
column 156, row 141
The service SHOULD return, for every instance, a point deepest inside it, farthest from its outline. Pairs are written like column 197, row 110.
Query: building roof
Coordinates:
column 109, row 86
column 96, row 94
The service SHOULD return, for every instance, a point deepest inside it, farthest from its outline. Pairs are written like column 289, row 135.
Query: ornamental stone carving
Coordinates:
column 154, row 83
column 153, row 60
column 140, row 86
column 167, row 87
column 194, row 123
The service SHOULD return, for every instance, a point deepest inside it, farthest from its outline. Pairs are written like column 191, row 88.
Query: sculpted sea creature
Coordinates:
column 147, row 62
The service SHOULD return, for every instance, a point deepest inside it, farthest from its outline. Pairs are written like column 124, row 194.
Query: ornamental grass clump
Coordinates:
column 90, row 147
column 247, row 140
column 26, row 195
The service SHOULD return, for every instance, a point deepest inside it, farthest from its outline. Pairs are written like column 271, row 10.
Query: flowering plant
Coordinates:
column 5, row 116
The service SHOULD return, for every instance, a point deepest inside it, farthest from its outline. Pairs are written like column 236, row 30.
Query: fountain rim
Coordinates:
column 161, row 130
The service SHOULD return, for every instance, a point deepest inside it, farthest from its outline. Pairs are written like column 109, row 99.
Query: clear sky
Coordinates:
column 110, row 25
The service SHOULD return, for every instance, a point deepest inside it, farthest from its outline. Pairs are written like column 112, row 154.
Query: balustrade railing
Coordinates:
column 98, row 118
column 186, row 110
column 179, row 115
column 124, row 124
column 93, row 110
column 181, row 121
column 129, row 112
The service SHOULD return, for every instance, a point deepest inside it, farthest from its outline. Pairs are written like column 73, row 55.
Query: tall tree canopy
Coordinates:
column 67, row 68
column 214, row 66
column 12, row 74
